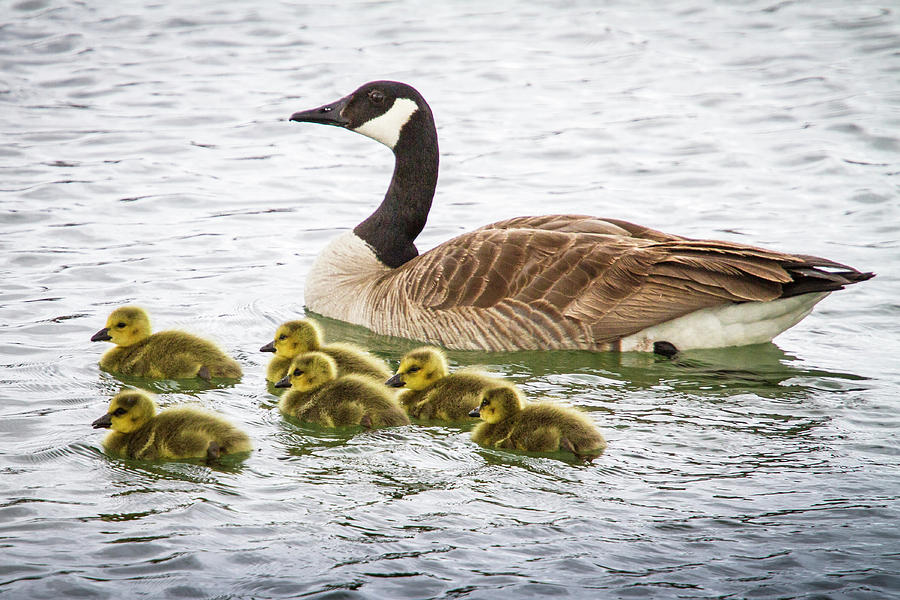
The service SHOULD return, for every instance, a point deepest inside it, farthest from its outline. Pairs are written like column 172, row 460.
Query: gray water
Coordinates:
column 147, row 159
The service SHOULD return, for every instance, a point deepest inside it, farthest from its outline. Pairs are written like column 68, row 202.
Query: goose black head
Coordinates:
column 378, row 109
column 396, row 115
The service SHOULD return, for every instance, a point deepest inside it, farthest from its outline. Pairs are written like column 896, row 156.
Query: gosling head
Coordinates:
column 499, row 404
column 295, row 337
column 309, row 371
column 420, row 368
column 128, row 411
column 126, row 325
column 378, row 109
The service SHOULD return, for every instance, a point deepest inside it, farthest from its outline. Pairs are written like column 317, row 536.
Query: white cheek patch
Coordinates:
column 386, row 128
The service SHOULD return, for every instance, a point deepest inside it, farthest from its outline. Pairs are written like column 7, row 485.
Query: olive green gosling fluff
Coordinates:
column 432, row 392
column 510, row 422
column 318, row 395
column 174, row 433
column 163, row 355
column 304, row 335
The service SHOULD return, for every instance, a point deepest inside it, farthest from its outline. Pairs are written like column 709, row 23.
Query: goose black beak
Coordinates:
column 284, row 382
column 270, row 347
column 475, row 413
column 101, row 336
column 396, row 381
column 104, row 422
column 329, row 114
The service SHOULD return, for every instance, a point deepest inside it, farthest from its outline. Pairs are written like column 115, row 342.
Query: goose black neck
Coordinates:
column 394, row 226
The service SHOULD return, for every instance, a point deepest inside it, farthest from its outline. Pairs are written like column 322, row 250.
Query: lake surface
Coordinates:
column 147, row 158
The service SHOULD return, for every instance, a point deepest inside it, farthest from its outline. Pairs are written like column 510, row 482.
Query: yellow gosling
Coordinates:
column 318, row 395
column 163, row 355
column 305, row 335
column 175, row 433
column 510, row 422
column 432, row 392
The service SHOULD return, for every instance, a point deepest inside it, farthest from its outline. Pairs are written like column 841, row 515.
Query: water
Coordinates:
column 147, row 159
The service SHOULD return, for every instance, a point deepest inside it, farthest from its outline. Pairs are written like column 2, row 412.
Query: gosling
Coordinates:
column 163, row 355
column 319, row 396
column 509, row 422
column 175, row 433
column 305, row 335
column 432, row 392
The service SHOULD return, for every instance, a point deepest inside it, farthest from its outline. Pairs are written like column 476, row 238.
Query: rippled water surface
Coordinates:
column 146, row 158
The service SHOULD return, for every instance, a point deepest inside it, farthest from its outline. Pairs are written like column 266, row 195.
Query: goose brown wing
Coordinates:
column 583, row 224
column 612, row 283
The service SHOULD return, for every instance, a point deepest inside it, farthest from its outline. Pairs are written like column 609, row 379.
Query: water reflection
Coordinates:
column 162, row 386
column 194, row 470
column 763, row 369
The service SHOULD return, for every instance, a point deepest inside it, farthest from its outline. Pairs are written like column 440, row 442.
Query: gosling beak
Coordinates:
column 101, row 336
column 329, row 114
column 284, row 382
column 104, row 422
column 475, row 413
column 270, row 347
column 396, row 381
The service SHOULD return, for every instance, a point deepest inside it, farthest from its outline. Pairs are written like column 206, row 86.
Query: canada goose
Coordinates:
column 319, row 396
column 167, row 354
column 547, row 282
column 304, row 335
column 175, row 433
column 510, row 422
column 432, row 392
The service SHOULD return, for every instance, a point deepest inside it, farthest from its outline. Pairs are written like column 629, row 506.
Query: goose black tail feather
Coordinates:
column 813, row 274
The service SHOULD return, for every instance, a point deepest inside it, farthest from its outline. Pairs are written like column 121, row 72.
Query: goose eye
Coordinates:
column 119, row 412
column 485, row 402
column 120, row 325
column 413, row 369
column 298, row 372
column 376, row 97
column 282, row 336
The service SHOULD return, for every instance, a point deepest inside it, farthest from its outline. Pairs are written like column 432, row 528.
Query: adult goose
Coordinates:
column 543, row 282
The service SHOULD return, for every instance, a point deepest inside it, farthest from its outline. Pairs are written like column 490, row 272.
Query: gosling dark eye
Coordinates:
column 119, row 412
column 376, row 97
column 485, row 402
column 297, row 372
column 282, row 337
column 414, row 369
column 120, row 325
